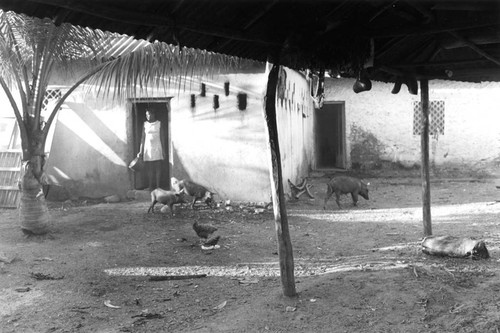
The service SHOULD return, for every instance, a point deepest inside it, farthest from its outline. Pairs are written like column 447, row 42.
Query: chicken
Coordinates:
column 203, row 230
column 212, row 241
column 169, row 198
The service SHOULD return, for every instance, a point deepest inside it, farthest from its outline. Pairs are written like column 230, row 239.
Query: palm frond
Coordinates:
column 131, row 67
column 153, row 65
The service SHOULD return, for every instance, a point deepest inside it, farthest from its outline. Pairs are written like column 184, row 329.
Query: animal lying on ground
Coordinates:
column 203, row 230
column 168, row 198
column 198, row 192
column 452, row 246
column 345, row 185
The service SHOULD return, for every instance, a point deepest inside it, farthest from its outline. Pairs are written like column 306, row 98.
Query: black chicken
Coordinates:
column 203, row 230
column 212, row 241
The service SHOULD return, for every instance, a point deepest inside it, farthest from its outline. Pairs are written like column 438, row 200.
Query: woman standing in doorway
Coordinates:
column 152, row 149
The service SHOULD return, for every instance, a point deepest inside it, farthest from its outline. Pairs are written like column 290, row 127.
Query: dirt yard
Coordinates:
column 359, row 269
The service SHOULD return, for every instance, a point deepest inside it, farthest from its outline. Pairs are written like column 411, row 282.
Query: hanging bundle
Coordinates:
column 193, row 101
column 318, row 92
column 216, row 102
column 409, row 81
column 242, row 101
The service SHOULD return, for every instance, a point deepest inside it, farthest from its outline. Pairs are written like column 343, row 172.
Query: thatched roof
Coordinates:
column 447, row 39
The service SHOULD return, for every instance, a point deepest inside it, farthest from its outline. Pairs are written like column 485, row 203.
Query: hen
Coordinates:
column 203, row 230
column 212, row 241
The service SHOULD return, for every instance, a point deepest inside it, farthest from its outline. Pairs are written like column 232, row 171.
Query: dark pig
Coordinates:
column 168, row 198
column 345, row 185
column 197, row 191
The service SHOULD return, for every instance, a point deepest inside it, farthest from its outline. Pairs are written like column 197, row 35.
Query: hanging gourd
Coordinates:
column 242, row 101
column 363, row 83
column 193, row 101
column 216, row 102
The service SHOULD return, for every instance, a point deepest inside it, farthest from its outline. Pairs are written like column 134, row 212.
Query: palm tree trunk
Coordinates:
column 33, row 211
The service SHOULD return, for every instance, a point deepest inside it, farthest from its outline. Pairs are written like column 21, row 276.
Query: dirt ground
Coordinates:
column 358, row 269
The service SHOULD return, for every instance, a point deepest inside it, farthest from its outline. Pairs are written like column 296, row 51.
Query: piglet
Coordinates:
column 168, row 198
column 197, row 191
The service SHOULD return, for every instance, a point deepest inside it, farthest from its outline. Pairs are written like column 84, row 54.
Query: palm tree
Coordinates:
column 32, row 50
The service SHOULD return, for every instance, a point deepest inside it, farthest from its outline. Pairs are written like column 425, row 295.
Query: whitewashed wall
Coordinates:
column 225, row 149
column 295, row 127
column 383, row 122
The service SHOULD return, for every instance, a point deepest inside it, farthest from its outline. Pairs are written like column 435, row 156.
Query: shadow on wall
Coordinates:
column 177, row 167
column 86, row 157
column 366, row 149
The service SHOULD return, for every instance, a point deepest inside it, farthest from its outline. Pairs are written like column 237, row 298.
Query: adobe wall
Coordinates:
column 295, row 113
column 379, row 126
column 225, row 149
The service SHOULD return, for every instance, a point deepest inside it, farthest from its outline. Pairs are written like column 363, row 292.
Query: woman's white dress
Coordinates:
column 152, row 141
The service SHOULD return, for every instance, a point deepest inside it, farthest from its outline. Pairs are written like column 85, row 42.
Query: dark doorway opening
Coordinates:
column 162, row 108
column 330, row 136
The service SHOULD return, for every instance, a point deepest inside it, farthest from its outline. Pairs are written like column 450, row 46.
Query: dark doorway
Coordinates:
column 330, row 136
column 162, row 108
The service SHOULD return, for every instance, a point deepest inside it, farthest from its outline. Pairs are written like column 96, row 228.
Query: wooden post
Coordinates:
column 280, row 216
column 424, row 146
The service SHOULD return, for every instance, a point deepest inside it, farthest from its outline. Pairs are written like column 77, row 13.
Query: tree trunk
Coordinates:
column 280, row 216
column 33, row 211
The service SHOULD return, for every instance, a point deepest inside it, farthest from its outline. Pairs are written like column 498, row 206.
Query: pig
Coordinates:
column 344, row 185
column 198, row 192
column 168, row 198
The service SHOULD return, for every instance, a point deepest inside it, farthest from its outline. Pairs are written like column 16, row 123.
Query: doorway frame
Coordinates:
column 134, row 142
column 343, row 135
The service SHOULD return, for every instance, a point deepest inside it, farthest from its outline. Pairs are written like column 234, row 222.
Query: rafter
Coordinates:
column 250, row 23
column 440, row 63
column 382, row 10
column 484, row 37
column 429, row 16
column 148, row 19
column 474, row 47
column 460, row 6
column 428, row 30
column 389, row 46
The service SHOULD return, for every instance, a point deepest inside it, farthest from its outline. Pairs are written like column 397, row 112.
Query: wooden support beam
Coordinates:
column 249, row 24
column 382, row 10
column 392, row 44
column 424, row 147
column 428, row 30
column 280, row 216
column 461, row 6
column 474, row 47
column 429, row 15
column 461, row 63
column 150, row 20
column 477, row 37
